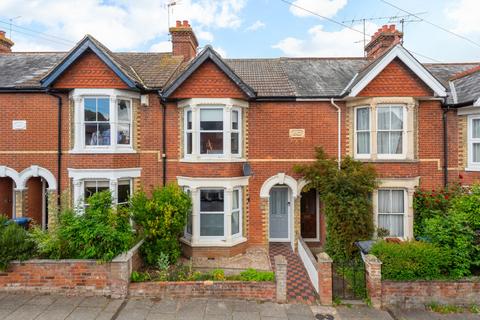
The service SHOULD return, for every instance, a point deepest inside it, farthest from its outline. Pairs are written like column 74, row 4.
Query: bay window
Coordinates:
column 216, row 217
column 383, row 138
column 212, row 129
column 474, row 142
column 391, row 211
column 103, row 120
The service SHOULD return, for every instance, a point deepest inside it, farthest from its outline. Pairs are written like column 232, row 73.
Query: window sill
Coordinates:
column 209, row 160
column 387, row 160
column 103, row 151
column 213, row 243
column 473, row 169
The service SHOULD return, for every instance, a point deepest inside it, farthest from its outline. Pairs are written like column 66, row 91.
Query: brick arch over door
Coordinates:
column 36, row 171
column 280, row 179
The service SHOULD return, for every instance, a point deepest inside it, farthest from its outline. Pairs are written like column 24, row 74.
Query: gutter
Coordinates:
column 163, row 103
column 339, row 125
column 59, row 146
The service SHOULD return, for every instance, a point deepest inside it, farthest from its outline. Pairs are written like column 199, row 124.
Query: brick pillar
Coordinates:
column 296, row 222
column 52, row 208
column 265, row 210
column 20, row 202
column 281, row 278
column 325, row 281
column 373, row 278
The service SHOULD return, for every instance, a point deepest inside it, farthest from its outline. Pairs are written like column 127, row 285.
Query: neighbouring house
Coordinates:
column 229, row 131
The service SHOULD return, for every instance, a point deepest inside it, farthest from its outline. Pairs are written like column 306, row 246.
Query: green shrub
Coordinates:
column 411, row 260
column 15, row 243
column 346, row 196
column 140, row 276
column 255, row 275
column 102, row 232
column 457, row 232
column 161, row 218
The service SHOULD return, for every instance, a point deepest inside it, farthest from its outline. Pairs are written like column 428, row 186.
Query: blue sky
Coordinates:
column 242, row 28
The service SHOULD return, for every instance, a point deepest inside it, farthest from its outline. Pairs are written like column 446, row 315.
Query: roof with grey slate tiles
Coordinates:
column 276, row 77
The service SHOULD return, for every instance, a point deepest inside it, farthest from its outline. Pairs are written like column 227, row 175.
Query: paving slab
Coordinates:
column 56, row 312
column 427, row 315
column 99, row 302
column 84, row 313
column 165, row 306
column 298, row 309
column 241, row 315
column 220, row 307
column 361, row 313
column 161, row 316
column 270, row 309
column 13, row 301
column 133, row 314
column 42, row 300
column 26, row 312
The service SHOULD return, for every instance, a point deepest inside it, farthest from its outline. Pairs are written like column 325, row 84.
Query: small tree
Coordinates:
column 162, row 219
column 346, row 195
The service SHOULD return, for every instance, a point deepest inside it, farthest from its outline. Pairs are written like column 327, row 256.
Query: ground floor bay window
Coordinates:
column 217, row 211
column 87, row 182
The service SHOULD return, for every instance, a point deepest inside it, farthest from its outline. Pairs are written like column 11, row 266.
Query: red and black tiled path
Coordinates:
column 299, row 287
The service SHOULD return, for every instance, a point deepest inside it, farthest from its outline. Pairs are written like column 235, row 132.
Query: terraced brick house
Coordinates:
column 229, row 131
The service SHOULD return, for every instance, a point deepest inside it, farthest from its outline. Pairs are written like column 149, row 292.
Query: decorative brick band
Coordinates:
column 74, row 276
column 261, row 291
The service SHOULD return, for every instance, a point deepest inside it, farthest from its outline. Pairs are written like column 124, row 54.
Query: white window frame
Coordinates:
column 113, row 176
column 114, row 95
column 403, row 131
column 356, row 154
column 195, row 185
column 472, row 166
column 240, row 212
column 223, row 213
column 227, row 105
column 405, row 209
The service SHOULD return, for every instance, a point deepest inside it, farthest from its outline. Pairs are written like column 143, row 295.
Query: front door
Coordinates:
column 279, row 214
column 309, row 218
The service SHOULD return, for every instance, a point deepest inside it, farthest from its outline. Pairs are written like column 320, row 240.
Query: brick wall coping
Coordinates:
column 462, row 280
column 123, row 257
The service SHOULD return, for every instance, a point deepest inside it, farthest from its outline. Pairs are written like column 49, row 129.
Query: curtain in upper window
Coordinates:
column 390, row 130
column 363, row 130
column 476, row 140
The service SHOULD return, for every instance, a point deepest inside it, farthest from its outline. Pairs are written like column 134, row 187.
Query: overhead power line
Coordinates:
column 433, row 24
column 38, row 34
column 347, row 26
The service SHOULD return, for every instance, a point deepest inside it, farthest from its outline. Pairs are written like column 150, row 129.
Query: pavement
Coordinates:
column 52, row 307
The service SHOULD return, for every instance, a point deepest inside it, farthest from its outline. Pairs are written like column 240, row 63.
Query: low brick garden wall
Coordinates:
column 261, row 291
column 73, row 276
column 416, row 294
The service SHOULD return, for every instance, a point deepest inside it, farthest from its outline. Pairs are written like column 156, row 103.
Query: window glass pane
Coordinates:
column 383, row 116
column 363, row 119
column 189, row 120
column 476, row 128
column 123, row 110
column 90, row 109
column 363, row 142
column 476, row 152
column 234, row 142
column 396, row 118
column 123, row 136
column 211, row 143
column 91, row 135
column 383, row 142
column 235, row 120
column 189, row 143
column 211, row 200
column 235, row 199
column 211, row 119
column 396, row 142
column 123, row 191
column 278, row 201
column 391, row 222
column 103, row 134
column 92, row 187
column 235, row 222
column 397, row 201
column 103, row 109
column 211, row 225
column 384, row 201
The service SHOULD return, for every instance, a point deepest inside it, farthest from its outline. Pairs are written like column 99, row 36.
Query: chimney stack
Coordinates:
column 385, row 38
column 5, row 43
column 184, row 41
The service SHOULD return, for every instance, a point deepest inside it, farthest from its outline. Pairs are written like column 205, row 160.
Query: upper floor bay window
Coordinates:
column 474, row 142
column 103, row 120
column 212, row 129
column 383, row 138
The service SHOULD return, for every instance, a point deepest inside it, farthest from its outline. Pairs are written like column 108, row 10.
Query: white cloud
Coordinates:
column 464, row 14
column 204, row 35
column 221, row 51
column 255, row 26
column 344, row 42
column 327, row 8
column 162, row 46
column 119, row 24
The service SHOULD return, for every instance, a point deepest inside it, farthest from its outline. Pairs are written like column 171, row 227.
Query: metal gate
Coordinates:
column 349, row 279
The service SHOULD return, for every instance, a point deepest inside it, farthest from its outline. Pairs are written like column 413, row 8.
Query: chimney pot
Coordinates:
column 392, row 27
column 386, row 37
column 179, row 24
column 184, row 41
column 5, row 43
column 185, row 23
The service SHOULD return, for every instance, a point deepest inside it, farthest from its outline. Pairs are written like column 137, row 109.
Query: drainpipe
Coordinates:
column 59, row 147
column 163, row 103
column 339, row 126
column 445, row 145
